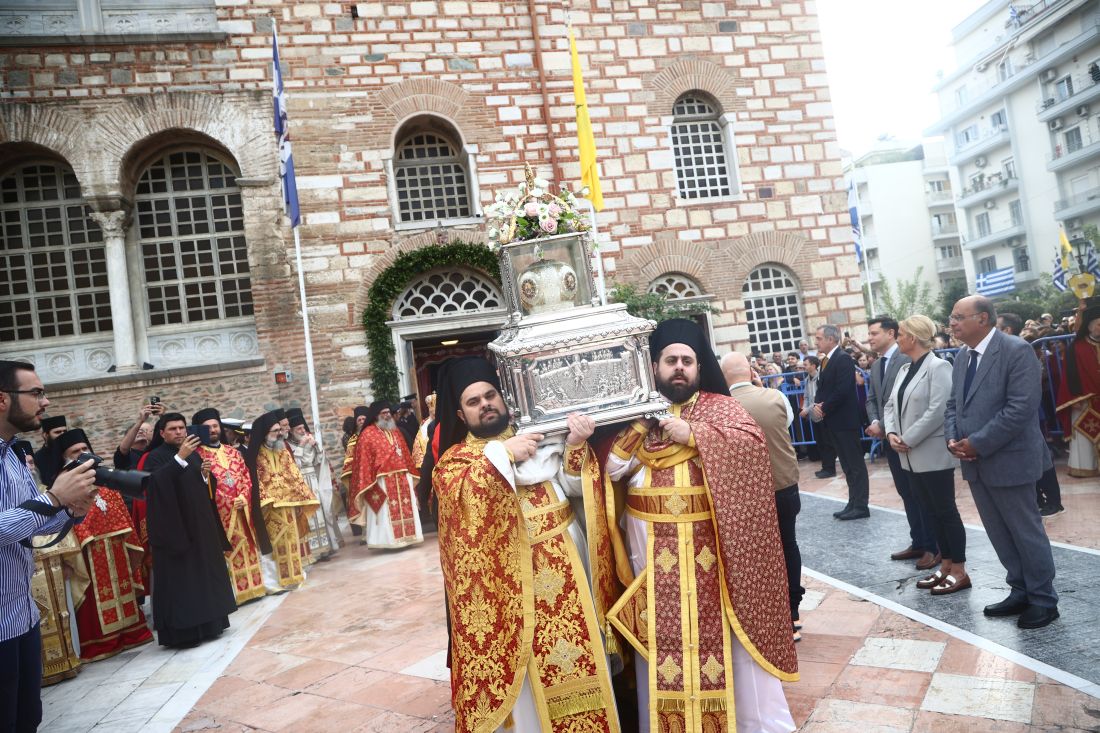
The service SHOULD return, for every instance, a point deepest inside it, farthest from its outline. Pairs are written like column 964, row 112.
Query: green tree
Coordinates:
column 953, row 291
column 654, row 306
column 906, row 297
column 1033, row 302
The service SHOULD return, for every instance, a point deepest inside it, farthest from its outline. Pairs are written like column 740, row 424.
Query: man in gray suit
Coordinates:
column 882, row 334
column 990, row 426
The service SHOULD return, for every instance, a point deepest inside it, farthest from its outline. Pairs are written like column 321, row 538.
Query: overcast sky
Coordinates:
column 882, row 57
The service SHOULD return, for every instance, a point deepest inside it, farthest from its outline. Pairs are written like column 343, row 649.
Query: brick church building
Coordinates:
column 141, row 221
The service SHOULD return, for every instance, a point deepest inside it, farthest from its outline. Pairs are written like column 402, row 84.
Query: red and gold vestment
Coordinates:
column 1079, row 405
column 286, row 503
column 234, row 487
column 382, row 481
column 711, row 574
column 522, row 607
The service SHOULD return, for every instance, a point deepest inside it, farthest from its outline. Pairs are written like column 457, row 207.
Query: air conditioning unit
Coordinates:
column 1055, row 124
column 1083, row 111
column 1049, row 75
column 980, row 161
column 981, row 67
column 990, row 204
column 1073, row 223
column 1048, row 102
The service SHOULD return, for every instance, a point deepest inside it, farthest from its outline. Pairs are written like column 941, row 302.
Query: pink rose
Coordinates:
column 531, row 208
column 553, row 210
column 549, row 225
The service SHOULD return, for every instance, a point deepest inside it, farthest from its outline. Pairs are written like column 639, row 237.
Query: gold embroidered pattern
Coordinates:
column 712, row 669
column 665, row 560
column 548, row 585
column 564, row 655
column 706, row 559
column 669, row 670
column 676, row 505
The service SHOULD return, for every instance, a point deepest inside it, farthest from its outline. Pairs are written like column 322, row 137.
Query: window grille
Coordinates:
column 191, row 226
column 699, row 152
column 431, row 179
column 53, row 266
column 447, row 292
column 772, row 309
column 676, row 287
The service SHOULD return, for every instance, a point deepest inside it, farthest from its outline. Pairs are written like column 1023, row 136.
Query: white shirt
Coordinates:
column 980, row 349
column 786, row 402
column 831, row 352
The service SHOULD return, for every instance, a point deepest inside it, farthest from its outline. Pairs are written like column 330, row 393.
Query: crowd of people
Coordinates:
column 557, row 581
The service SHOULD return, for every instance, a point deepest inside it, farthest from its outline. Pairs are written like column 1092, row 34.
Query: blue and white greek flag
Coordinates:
column 282, row 134
column 1092, row 264
column 1058, row 279
column 853, row 214
column 997, row 281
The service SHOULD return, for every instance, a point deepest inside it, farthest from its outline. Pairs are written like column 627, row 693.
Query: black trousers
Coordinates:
column 922, row 535
column 825, row 448
column 1048, row 489
column 849, row 449
column 787, row 506
column 21, row 683
column 936, row 491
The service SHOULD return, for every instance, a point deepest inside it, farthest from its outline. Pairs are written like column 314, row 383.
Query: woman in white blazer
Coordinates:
column 913, row 417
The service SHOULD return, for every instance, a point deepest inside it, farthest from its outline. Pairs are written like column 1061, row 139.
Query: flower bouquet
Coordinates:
column 533, row 211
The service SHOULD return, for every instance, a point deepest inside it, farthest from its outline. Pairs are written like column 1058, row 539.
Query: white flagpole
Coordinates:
column 311, row 374
column 864, row 268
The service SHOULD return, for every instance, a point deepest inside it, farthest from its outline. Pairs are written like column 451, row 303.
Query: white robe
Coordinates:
column 1082, row 451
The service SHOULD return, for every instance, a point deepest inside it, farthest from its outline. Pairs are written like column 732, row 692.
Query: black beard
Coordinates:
column 491, row 429
column 24, row 422
column 678, row 393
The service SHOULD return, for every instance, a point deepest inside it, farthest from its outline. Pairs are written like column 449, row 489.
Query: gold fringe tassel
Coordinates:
column 670, row 705
column 712, row 704
column 575, row 705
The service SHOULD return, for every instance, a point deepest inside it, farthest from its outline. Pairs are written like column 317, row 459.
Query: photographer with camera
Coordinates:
column 25, row 513
column 192, row 595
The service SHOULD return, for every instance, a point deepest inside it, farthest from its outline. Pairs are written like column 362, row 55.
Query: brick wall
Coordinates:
column 353, row 80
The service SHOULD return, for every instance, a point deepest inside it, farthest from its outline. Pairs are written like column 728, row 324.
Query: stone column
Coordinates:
column 113, row 224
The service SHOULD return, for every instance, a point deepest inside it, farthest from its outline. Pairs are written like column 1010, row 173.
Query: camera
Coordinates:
column 154, row 400
column 130, row 484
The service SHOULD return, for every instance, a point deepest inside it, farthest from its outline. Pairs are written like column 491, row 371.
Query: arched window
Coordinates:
column 675, row 286
column 702, row 148
column 447, row 292
column 53, row 267
column 431, row 178
column 191, row 227
column 772, row 308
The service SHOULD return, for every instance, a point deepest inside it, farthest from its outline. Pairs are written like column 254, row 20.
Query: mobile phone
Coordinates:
column 154, row 400
column 202, row 432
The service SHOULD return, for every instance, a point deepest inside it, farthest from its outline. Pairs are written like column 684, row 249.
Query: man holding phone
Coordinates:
column 136, row 440
column 193, row 597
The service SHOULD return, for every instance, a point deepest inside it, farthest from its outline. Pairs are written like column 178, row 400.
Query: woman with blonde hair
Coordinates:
column 913, row 418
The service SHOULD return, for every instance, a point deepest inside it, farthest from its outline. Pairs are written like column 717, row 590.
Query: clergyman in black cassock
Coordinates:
column 192, row 595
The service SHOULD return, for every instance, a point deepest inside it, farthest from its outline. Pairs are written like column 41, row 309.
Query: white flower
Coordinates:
column 542, row 183
column 537, row 192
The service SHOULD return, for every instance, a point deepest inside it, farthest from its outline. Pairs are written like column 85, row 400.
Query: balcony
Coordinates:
column 944, row 231
column 985, row 96
column 1066, row 157
column 990, row 140
column 1079, row 204
column 1085, row 88
column 870, row 242
column 984, row 240
column 949, row 265
column 874, row 275
column 939, row 198
column 989, row 188
column 865, row 207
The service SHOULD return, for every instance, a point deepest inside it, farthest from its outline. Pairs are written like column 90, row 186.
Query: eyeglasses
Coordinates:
column 38, row 393
column 956, row 319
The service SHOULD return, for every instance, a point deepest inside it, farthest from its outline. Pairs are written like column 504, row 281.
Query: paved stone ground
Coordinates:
column 360, row 647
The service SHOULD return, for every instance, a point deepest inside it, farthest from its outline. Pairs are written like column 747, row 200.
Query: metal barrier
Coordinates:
column 1049, row 349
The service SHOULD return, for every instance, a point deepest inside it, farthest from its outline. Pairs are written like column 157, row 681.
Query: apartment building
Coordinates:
column 1020, row 116
column 907, row 216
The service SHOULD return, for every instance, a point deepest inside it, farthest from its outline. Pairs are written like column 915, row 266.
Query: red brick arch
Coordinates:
column 34, row 130
column 396, row 104
column 690, row 74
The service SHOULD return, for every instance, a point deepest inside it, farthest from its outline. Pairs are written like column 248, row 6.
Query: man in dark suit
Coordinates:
column 882, row 334
column 990, row 426
column 838, row 407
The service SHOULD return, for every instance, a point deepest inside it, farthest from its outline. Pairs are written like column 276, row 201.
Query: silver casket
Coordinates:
column 561, row 351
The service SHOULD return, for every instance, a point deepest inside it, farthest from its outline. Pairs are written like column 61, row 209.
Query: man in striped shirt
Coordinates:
column 22, row 402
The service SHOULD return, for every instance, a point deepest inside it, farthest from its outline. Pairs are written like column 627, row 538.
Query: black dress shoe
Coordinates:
column 825, row 474
column 1036, row 617
column 1007, row 607
column 845, row 510
column 854, row 514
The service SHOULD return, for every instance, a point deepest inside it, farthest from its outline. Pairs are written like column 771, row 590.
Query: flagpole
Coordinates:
column 311, row 373
column 862, row 250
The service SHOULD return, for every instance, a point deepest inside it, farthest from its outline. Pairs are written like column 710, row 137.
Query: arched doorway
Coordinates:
column 447, row 312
